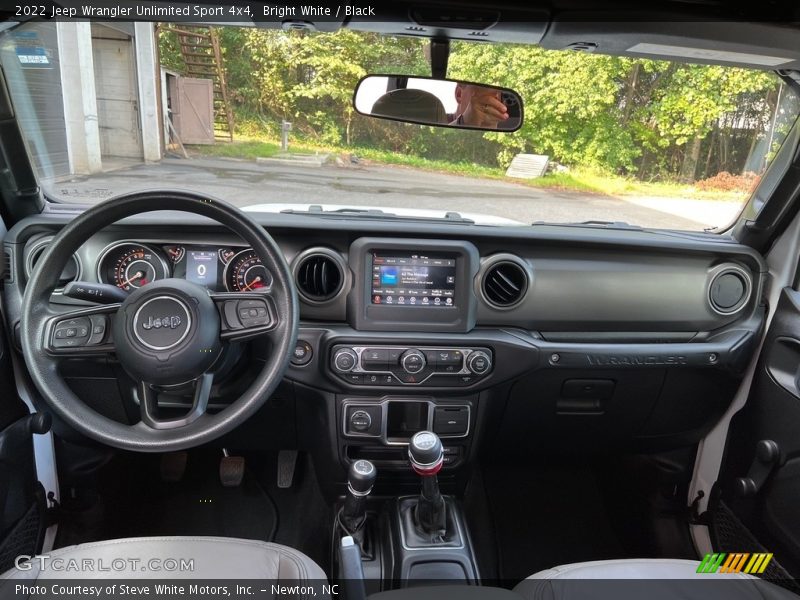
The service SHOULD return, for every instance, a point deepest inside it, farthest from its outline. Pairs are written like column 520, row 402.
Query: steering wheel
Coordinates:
column 168, row 333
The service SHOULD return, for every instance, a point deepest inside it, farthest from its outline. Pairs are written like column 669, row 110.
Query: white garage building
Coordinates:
column 101, row 108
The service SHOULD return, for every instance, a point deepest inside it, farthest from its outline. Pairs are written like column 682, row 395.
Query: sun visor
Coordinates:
column 751, row 45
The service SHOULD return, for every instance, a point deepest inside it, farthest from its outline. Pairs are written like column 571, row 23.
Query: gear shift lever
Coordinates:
column 426, row 454
column 360, row 479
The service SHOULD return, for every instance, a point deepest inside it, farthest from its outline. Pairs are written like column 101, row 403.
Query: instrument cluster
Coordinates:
column 131, row 265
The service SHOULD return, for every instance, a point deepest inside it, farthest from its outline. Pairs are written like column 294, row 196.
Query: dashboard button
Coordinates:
column 375, row 359
column 479, row 363
column 387, row 379
column 303, row 352
column 394, row 356
column 413, row 361
column 353, row 378
column 360, row 421
column 449, row 361
column 344, row 360
column 409, row 377
column 373, row 379
column 431, row 356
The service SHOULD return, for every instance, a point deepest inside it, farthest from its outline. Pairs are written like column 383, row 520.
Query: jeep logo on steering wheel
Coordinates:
column 158, row 322
column 162, row 322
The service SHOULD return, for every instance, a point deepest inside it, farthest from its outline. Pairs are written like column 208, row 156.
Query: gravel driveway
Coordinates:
column 245, row 182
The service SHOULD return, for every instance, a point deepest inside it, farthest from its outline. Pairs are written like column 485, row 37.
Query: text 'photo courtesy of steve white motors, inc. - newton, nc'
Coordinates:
column 168, row 590
column 200, row 12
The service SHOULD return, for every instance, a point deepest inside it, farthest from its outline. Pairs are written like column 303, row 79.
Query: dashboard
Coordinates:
column 580, row 334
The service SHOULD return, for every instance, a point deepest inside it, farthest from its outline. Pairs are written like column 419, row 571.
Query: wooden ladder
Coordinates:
column 203, row 59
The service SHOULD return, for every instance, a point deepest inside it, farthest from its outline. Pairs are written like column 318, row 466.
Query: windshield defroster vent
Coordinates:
column 319, row 275
column 504, row 284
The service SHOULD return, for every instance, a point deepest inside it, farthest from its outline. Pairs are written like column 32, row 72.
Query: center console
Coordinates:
column 408, row 375
column 411, row 539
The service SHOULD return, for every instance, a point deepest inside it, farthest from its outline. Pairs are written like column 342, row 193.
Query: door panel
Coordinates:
column 772, row 514
column 117, row 98
column 22, row 502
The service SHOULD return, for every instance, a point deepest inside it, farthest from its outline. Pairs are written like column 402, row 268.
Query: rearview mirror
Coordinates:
column 439, row 102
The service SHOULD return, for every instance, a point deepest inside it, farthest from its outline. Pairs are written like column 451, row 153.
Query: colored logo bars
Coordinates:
column 737, row 562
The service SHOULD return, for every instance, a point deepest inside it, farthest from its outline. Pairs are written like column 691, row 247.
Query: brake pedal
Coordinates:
column 231, row 470
column 173, row 466
column 287, row 459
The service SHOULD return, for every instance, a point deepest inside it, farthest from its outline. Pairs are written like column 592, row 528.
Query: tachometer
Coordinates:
column 130, row 266
column 245, row 273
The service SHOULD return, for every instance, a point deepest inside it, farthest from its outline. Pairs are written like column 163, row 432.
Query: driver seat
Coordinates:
column 210, row 558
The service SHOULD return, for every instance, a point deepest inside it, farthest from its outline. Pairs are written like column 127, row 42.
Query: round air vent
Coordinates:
column 71, row 270
column 504, row 284
column 729, row 290
column 319, row 275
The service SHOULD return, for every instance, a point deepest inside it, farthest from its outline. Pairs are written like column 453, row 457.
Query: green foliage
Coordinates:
column 633, row 117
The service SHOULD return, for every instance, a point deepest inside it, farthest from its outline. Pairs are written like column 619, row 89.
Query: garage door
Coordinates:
column 117, row 100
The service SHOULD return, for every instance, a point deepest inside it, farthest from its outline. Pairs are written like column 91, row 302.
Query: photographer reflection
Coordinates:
column 479, row 106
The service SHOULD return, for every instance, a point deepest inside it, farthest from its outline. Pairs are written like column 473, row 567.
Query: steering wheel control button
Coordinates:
column 71, row 333
column 162, row 323
column 479, row 363
column 253, row 313
column 303, row 352
column 98, row 332
column 344, row 360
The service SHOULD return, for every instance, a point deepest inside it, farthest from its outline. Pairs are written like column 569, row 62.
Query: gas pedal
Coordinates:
column 173, row 466
column 287, row 459
column 231, row 470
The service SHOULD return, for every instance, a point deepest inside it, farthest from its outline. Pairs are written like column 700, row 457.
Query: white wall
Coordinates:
column 79, row 97
column 147, row 74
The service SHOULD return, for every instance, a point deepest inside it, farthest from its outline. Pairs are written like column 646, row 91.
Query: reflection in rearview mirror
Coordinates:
column 439, row 102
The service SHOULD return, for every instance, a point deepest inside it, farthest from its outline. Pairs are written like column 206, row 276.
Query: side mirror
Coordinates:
column 439, row 102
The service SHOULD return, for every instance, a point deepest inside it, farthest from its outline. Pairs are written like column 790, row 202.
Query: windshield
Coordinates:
column 265, row 119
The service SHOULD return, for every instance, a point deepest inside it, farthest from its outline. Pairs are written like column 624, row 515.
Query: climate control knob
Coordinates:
column 344, row 360
column 412, row 361
column 479, row 363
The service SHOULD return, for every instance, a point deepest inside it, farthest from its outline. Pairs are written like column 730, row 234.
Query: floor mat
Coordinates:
column 547, row 516
column 140, row 504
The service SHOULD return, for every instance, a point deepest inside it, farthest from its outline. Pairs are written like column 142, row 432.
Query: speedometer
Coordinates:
column 245, row 273
column 130, row 266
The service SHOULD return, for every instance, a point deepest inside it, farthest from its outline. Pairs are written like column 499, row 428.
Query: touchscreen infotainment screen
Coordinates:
column 413, row 280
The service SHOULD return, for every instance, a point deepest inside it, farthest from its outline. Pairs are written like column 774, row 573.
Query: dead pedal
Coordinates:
column 287, row 459
column 231, row 471
column 173, row 466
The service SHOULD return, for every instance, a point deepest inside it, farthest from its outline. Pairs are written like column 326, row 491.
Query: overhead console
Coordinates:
column 412, row 285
